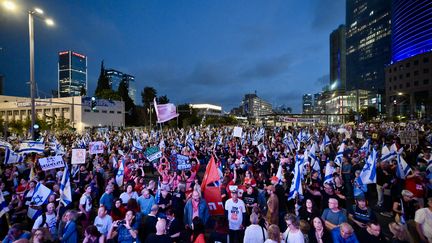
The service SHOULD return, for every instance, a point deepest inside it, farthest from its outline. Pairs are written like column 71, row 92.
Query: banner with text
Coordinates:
column 153, row 154
column 96, row 147
column 52, row 162
column 78, row 156
column 303, row 120
column 183, row 162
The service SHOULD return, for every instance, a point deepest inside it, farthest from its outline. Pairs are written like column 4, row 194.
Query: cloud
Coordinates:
column 268, row 68
column 327, row 13
column 323, row 80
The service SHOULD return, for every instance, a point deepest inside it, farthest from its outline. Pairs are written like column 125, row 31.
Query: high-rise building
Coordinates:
column 253, row 106
column 338, row 59
column 307, row 103
column 368, row 43
column 411, row 28
column 409, row 77
column 72, row 74
column 115, row 77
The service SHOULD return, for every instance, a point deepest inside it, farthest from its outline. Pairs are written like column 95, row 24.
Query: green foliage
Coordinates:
column 108, row 94
column 16, row 127
column 163, row 99
column 129, row 104
column 147, row 96
column 103, row 83
column 220, row 121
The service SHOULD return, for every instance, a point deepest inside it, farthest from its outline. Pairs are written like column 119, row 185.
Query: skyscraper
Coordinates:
column 307, row 103
column 115, row 77
column 338, row 59
column 368, row 43
column 72, row 74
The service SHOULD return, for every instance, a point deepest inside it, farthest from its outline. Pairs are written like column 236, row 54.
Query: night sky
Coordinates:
column 211, row 51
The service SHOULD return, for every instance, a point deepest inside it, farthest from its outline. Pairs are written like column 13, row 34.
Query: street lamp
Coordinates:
column 10, row 6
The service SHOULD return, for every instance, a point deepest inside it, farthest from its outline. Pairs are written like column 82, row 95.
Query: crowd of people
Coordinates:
column 275, row 184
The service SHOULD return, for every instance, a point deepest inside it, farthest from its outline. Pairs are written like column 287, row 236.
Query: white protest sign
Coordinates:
column 96, row 147
column 238, row 132
column 78, row 156
column 52, row 162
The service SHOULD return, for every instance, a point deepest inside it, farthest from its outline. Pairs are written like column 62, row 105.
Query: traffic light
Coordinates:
column 93, row 103
column 36, row 132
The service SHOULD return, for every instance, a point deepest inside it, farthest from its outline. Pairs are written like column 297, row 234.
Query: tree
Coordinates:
column 103, row 82
column 148, row 95
column 163, row 99
column 108, row 94
column 369, row 113
column 123, row 92
column 83, row 91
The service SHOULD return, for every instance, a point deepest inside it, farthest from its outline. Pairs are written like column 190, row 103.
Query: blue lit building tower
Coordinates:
column 72, row 74
column 338, row 59
column 411, row 28
column 368, row 43
column 409, row 76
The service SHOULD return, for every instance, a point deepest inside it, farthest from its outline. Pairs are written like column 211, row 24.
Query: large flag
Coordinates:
column 120, row 173
column 339, row 155
column 65, row 187
column 364, row 150
column 388, row 154
column 4, row 144
column 328, row 174
column 288, row 140
column 3, row 205
column 165, row 112
column 212, row 194
column 296, row 186
column 11, row 157
column 368, row 173
column 40, row 197
column 403, row 168
column 314, row 163
column 137, row 145
column 31, row 147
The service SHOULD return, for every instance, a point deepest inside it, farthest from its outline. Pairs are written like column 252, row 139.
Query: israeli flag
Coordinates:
column 328, row 174
column 177, row 143
column 57, row 147
column 296, row 186
column 403, row 168
column 162, row 144
column 314, row 161
column 40, row 197
column 3, row 205
column 368, row 173
column 65, row 187
column 120, row 173
column 11, row 157
column 190, row 143
column 31, row 147
column 219, row 141
column 326, row 140
column 137, row 145
column 365, row 148
column 388, row 154
column 288, row 140
column 4, row 144
column 339, row 155
column 260, row 134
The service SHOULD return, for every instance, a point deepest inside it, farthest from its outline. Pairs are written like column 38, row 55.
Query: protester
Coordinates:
column 195, row 206
column 423, row 219
column 160, row 233
column 293, row 233
column 344, row 233
column 333, row 216
column 273, row 234
column 255, row 233
column 235, row 211
column 126, row 230
column 319, row 234
column 198, row 230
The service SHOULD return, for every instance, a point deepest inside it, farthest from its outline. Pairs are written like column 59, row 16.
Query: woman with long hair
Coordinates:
column 198, row 231
column 318, row 233
column 92, row 235
column 400, row 233
column 308, row 211
column 273, row 234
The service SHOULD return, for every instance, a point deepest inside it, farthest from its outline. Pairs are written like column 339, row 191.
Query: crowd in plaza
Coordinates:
column 349, row 183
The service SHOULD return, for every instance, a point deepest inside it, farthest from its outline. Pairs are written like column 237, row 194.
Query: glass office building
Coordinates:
column 411, row 28
column 72, row 74
column 338, row 59
column 115, row 77
column 368, row 43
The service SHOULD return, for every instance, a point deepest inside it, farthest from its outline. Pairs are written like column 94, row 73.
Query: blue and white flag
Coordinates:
column 136, row 145
column 3, row 205
column 288, row 140
column 31, row 147
column 65, row 187
column 158, row 192
column 339, row 155
column 326, row 140
column 403, row 168
column 259, row 135
column 328, row 174
column 11, row 157
column 388, row 154
column 429, row 138
column 296, row 186
column 57, row 147
column 314, row 161
column 368, row 173
column 40, row 197
column 365, row 148
column 162, row 144
column 120, row 173
column 219, row 141
column 190, row 143
column 4, row 144
column 177, row 143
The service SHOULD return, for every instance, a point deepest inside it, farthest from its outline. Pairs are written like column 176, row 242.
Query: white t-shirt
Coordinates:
column 296, row 237
column 423, row 216
column 254, row 234
column 235, row 213
column 125, row 197
column 50, row 223
column 87, row 202
column 103, row 224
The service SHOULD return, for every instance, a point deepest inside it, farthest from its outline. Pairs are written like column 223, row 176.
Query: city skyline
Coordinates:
column 197, row 52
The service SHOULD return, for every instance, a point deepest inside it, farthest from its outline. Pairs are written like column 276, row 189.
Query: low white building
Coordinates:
column 76, row 110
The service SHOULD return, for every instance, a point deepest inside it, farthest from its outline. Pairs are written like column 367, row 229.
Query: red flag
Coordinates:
column 211, row 174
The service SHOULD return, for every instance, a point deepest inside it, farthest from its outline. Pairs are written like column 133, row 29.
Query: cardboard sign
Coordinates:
column 183, row 162
column 96, row 147
column 359, row 135
column 238, row 132
column 374, row 135
column 153, row 154
column 51, row 162
column 409, row 137
column 78, row 156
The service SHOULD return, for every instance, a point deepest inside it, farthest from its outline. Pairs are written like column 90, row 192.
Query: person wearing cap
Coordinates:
column 405, row 206
column 235, row 211
column 272, row 206
column 360, row 213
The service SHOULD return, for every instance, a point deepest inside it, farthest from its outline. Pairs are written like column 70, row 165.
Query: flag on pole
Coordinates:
column 368, row 173
column 136, row 145
column 211, row 174
column 11, row 157
column 190, row 143
column 403, row 168
column 40, row 197
column 388, row 154
column 314, row 159
column 328, row 174
column 31, row 147
column 364, row 150
column 259, row 134
column 296, row 186
column 3, row 205
column 288, row 140
column 339, row 155
column 165, row 112
column 65, row 187
column 158, row 192
column 120, row 173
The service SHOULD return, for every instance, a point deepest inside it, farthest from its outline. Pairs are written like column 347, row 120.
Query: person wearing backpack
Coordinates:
column 47, row 221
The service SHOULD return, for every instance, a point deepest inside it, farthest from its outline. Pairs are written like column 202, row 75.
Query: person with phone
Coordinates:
column 125, row 230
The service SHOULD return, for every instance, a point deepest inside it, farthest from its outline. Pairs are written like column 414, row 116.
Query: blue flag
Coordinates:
column 368, row 173
column 65, row 187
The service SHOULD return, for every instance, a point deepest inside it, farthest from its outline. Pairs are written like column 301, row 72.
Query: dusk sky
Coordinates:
column 211, row 51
